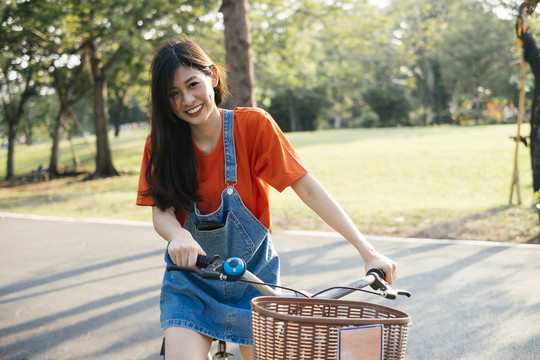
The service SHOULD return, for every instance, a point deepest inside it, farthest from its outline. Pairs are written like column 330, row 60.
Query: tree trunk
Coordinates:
column 14, row 113
column 535, row 139
column 533, row 58
column 74, row 157
column 66, row 98
column 104, row 164
column 57, row 136
column 121, row 114
column 425, row 87
column 238, row 53
column 12, row 132
column 295, row 126
column 100, row 74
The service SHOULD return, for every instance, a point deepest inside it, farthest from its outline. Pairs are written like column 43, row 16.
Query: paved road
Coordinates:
column 90, row 290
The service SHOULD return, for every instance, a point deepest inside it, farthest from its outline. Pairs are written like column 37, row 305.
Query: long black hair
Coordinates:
column 172, row 167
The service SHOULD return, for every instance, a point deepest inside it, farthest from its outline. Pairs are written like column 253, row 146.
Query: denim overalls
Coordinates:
column 215, row 308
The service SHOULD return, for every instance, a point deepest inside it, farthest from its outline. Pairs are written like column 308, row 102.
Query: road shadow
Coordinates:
column 69, row 320
column 21, row 286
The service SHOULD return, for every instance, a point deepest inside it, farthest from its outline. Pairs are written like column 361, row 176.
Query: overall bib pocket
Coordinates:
column 229, row 240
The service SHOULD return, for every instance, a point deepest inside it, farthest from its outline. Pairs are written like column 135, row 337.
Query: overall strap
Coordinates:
column 228, row 143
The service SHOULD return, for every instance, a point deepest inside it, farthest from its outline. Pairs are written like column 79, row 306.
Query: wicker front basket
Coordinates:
column 302, row 328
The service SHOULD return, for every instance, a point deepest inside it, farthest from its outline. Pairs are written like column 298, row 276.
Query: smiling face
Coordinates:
column 191, row 94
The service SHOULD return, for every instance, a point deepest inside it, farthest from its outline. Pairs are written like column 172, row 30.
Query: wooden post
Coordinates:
column 521, row 112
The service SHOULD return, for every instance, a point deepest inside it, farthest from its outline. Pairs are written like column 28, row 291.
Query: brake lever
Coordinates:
column 392, row 294
column 403, row 292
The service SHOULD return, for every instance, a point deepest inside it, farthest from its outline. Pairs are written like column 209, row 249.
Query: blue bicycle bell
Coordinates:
column 234, row 267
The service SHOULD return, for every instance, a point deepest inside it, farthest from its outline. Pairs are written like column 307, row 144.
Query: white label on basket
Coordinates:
column 361, row 343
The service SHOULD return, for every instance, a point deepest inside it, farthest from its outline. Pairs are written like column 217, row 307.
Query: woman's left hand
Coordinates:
column 379, row 261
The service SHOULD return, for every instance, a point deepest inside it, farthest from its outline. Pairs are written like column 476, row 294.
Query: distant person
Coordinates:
column 40, row 174
column 206, row 171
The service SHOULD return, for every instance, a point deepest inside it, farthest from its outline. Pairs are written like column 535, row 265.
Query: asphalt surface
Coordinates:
column 82, row 289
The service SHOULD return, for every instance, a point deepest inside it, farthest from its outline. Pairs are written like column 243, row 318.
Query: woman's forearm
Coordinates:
column 165, row 223
column 314, row 195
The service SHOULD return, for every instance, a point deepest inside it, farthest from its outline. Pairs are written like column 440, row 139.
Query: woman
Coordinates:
column 206, row 172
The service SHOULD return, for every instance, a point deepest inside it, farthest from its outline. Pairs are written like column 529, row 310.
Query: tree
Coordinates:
column 390, row 103
column 129, row 82
column 13, row 106
column 363, row 57
column 330, row 50
column 238, row 55
column 18, row 59
column 418, row 26
column 470, row 53
column 39, row 35
column 287, row 55
column 65, row 66
column 106, row 31
column 70, row 88
column 101, row 71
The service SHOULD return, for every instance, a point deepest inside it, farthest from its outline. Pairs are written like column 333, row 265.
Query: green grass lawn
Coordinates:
column 380, row 176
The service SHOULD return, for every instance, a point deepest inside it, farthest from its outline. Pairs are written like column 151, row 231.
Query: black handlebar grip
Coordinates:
column 377, row 284
column 203, row 261
column 379, row 272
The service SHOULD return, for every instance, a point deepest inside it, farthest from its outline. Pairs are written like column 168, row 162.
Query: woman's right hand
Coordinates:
column 183, row 249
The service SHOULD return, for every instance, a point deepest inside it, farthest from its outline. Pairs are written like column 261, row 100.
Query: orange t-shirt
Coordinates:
column 264, row 158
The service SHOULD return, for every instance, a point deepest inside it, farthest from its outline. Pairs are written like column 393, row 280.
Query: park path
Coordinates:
column 89, row 289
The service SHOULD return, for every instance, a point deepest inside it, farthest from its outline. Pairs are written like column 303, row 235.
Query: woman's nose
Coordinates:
column 187, row 98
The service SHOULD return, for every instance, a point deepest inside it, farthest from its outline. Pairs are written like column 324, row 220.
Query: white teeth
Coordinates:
column 192, row 111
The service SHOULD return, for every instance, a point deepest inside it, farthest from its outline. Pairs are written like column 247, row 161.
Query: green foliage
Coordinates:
column 338, row 46
column 470, row 51
column 390, row 103
column 308, row 107
column 368, row 119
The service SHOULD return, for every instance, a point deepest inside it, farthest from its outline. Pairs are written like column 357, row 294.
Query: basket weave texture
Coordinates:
column 303, row 328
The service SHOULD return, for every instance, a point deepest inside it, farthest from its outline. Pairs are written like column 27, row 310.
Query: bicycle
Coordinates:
column 309, row 326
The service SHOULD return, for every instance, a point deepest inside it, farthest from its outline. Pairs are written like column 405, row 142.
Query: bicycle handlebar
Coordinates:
column 235, row 269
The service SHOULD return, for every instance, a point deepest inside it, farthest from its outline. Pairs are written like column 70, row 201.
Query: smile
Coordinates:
column 194, row 110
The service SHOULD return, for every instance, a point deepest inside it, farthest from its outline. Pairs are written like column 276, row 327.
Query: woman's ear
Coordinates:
column 214, row 76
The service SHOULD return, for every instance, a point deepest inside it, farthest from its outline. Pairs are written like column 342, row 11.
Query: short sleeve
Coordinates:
column 277, row 162
column 143, row 199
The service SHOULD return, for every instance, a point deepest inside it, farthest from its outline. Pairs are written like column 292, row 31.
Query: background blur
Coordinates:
column 75, row 73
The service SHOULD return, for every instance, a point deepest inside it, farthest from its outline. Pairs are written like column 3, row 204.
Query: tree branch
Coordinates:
column 114, row 60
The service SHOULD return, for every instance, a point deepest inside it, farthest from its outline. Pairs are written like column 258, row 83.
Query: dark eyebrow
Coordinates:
column 185, row 82
column 190, row 79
